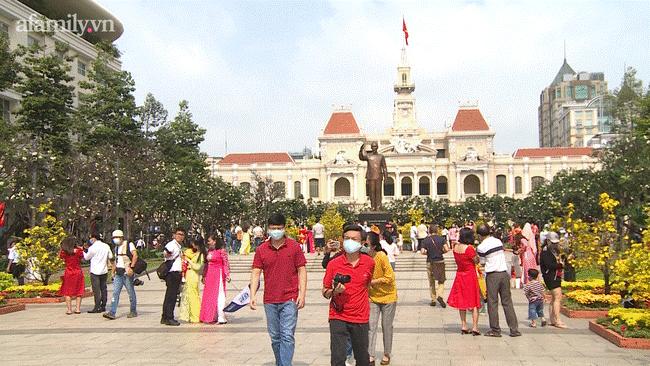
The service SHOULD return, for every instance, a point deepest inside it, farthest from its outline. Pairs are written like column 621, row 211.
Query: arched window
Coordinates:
column 389, row 187
column 472, row 184
column 280, row 189
column 246, row 187
column 501, row 184
column 342, row 187
column 407, row 186
column 518, row 185
column 313, row 188
column 297, row 189
column 424, row 186
column 441, row 186
column 404, row 78
column 536, row 182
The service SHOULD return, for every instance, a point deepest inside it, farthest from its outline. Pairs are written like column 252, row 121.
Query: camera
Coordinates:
column 339, row 278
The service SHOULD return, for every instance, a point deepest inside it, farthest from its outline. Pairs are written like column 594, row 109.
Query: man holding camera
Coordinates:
column 346, row 283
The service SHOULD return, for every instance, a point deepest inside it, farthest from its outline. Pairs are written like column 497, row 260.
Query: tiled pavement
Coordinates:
column 424, row 335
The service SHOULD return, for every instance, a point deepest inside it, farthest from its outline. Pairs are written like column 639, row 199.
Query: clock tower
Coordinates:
column 404, row 111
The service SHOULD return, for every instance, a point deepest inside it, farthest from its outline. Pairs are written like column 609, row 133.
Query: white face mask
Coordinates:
column 351, row 246
column 117, row 241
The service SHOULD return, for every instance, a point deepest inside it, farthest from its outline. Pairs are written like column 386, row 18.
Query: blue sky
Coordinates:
column 267, row 74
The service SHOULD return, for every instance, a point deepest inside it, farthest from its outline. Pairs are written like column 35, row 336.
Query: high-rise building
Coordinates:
column 571, row 109
column 78, row 23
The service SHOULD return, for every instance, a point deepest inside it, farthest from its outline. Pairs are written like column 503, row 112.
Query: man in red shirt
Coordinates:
column 285, row 276
column 349, row 305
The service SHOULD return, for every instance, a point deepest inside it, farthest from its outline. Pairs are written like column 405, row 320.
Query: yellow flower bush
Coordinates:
column 633, row 270
column 42, row 245
column 588, row 298
column 594, row 243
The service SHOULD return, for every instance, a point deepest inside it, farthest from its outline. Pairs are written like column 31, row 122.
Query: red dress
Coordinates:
column 464, row 294
column 72, row 281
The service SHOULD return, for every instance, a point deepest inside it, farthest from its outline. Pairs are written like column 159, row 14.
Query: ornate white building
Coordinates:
column 453, row 164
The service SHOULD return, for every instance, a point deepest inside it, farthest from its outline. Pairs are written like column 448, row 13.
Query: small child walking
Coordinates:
column 534, row 291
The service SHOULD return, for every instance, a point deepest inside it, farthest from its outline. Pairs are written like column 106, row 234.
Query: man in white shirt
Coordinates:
column 258, row 237
column 98, row 254
column 414, row 238
column 497, row 280
column 318, row 230
column 13, row 262
column 173, row 280
column 422, row 234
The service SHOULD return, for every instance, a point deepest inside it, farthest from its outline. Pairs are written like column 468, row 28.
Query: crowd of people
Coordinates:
column 359, row 279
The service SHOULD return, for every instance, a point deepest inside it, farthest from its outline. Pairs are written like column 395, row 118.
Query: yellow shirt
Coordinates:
column 386, row 291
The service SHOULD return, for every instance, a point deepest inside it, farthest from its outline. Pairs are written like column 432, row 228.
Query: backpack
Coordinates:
column 140, row 264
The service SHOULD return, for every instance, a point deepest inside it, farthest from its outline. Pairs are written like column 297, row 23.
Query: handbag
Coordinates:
column 163, row 269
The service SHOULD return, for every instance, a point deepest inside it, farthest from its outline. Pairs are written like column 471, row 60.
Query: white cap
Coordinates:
column 118, row 234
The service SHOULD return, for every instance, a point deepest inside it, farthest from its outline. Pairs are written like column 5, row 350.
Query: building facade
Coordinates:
column 571, row 109
column 59, row 21
column 455, row 164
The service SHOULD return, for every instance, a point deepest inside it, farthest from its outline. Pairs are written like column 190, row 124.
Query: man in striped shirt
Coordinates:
column 497, row 280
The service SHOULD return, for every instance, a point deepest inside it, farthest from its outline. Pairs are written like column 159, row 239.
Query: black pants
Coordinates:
column 18, row 271
column 339, row 332
column 173, row 281
column 98, row 283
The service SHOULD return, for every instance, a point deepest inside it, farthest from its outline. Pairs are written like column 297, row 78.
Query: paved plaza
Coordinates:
column 424, row 335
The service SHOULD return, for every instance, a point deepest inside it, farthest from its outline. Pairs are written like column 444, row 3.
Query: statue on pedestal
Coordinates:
column 375, row 174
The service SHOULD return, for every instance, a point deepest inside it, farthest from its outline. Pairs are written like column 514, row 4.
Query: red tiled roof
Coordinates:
column 244, row 159
column 553, row 152
column 341, row 123
column 469, row 120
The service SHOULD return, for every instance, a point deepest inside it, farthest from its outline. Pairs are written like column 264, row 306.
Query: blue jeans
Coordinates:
column 536, row 309
column 118, row 282
column 235, row 246
column 281, row 320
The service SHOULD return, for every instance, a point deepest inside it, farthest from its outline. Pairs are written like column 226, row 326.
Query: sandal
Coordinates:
column 77, row 312
column 385, row 362
column 562, row 326
column 68, row 313
column 476, row 333
column 465, row 331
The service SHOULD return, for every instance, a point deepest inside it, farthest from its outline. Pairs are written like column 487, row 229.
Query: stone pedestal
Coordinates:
column 378, row 218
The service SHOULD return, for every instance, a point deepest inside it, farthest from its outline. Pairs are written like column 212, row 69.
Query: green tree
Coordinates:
column 9, row 68
column 625, row 108
column 44, row 121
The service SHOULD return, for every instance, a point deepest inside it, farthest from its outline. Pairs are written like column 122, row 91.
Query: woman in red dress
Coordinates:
column 464, row 294
column 72, row 281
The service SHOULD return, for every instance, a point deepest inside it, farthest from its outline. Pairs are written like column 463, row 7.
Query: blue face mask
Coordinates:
column 276, row 234
column 351, row 246
column 365, row 249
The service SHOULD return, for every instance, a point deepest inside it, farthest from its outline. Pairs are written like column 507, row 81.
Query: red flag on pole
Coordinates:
column 406, row 32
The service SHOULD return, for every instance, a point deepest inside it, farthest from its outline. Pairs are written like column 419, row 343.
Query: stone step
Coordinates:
column 406, row 262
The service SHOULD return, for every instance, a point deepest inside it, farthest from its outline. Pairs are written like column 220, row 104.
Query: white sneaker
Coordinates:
column 350, row 361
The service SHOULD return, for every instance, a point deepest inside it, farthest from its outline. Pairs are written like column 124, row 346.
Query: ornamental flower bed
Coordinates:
column 589, row 299
column 625, row 327
column 594, row 284
column 31, row 291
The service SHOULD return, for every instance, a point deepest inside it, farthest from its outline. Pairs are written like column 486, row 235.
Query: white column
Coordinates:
column 511, row 179
column 459, row 195
column 398, row 185
column 329, row 187
column 304, row 187
column 434, row 183
column 355, row 194
column 526, row 179
column 548, row 172
column 485, row 182
column 234, row 174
